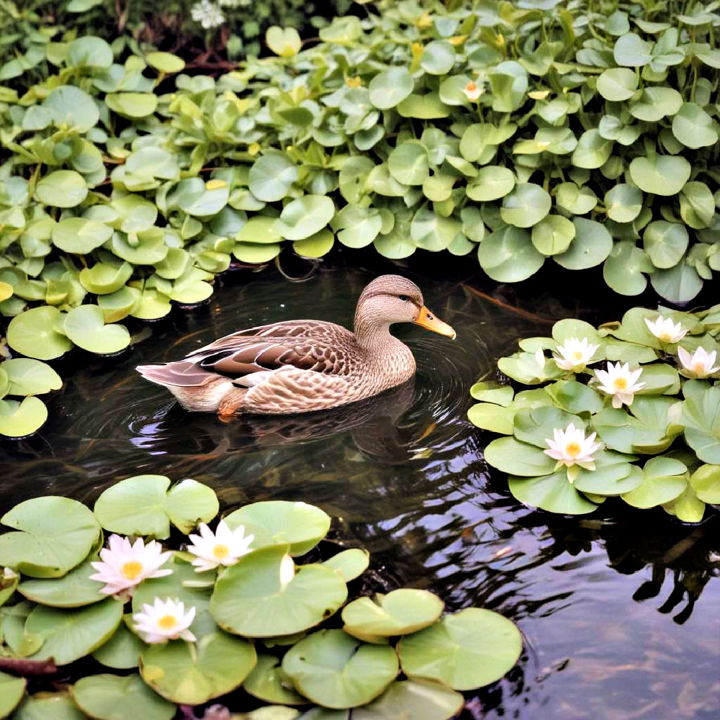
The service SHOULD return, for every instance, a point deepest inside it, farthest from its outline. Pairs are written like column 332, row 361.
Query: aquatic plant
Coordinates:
column 271, row 620
column 523, row 136
column 655, row 413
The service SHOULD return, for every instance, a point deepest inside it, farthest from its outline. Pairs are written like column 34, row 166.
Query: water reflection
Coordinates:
column 619, row 612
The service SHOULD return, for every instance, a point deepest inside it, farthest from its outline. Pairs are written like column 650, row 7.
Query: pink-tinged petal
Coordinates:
column 187, row 635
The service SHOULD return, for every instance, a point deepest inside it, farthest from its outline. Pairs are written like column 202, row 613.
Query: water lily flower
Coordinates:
column 8, row 575
column 164, row 620
column 700, row 363
column 207, row 14
column 665, row 330
column 124, row 565
column 539, row 356
column 287, row 571
column 472, row 91
column 570, row 447
column 575, row 354
column 223, row 547
column 620, row 382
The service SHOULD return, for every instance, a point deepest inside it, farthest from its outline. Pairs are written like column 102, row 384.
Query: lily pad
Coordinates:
column 268, row 682
column 706, row 483
column 552, row 492
column 22, row 418
column 33, row 333
column 115, row 697
column 526, row 205
column 191, row 674
column 80, row 235
column 305, row 216
column 518, row 458
column 337, row 671
column 272, row 176
column 53, row 535
column 85, row 326
column 73, row 590
column 12, row 690
column 263, row 595
column 399, row 612
column 465, row 651
column 413, row 700
column 279, row 522
column 30, row 377
column 350, row 564
column 48, row 706
column 701, row 416
column 122, row 651
column 664, row 479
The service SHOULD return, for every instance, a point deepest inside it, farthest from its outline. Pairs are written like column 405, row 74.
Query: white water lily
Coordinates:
column 222, row 547
column 287, row 571
column 570, row 447
column 574, row 354
column 8, row 575
column 207, row 14
column 472, row 91
column 621, row 382
column 164, row 620
column 539, row 356
column 124, row 565
column 700, row 363
column 665, row 330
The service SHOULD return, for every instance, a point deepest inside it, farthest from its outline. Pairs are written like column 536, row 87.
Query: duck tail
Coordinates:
column 177, row 374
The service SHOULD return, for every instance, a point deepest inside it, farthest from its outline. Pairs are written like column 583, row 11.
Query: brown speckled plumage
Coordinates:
column 303, row 365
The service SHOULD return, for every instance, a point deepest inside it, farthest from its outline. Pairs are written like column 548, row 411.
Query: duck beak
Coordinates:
column 428, row 321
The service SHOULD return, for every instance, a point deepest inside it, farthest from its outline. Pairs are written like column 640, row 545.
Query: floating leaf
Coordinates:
column 413, row 700
column 22, row 418
column 73, row 590
column 115, row 697
column 305, row 216
column 47, row 706
column 12, row 690
column 85, row 326
column 349, row 564
column 268, row 682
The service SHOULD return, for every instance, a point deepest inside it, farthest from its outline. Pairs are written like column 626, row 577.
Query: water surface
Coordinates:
column 619, row 611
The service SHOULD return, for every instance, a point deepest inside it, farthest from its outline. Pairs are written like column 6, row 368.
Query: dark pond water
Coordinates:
column 621, row 612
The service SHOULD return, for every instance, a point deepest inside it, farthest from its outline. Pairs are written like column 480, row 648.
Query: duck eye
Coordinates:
column 404, row 298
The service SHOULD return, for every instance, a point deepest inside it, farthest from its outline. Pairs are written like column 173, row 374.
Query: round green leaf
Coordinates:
column 624, row 268
column 112, row 697
column 660, row 175
column 693, row 127
column 72, row 590
column 706, row 483
column 272, row 176
column 508, row 255
column 62, row 188
column 132, row 104
column 592, row 244
column 338, row 671
column 279, row 522
column 255, row 254
column 623, row 203
column 259, row 229
column 80, row 235
column 165, row 62
column 73, row 107
column 191, row 674
column 104, row 278
column 91, row 52
column 613, row 475
column 576, row 200
column 357, row 226
column 525, row 206
column 284, row 42
column 553, row 235
column 490, row 183
column 85, row 326
column 552, row 492
column 390, row 87
column 189, row 502
column 467, row 650
column 431, row 231
column 438, row 57
column 12, row 690
column 56, row 706
column 22, row 418
column 122, row 651
column 655, row 103
column 305, row 216
column 617, row 84
column 518, row 458
column 254, row 599
column 697, row 205
column 413, row 700
column 268, row 682
column 663, row 480
column 54, row 534
column 592, row 150
column 398, row 613
column 679, row 284
column 350, row 564
column 408, row 163
column 631, row 50
column 70, row 634
column 665, row 243
column 316, row 245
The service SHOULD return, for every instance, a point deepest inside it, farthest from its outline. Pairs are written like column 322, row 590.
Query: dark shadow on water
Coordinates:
column 619, row 611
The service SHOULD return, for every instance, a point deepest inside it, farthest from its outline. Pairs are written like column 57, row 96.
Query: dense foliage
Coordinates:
column 241, row 615
column 658, row 435
column 569, row 134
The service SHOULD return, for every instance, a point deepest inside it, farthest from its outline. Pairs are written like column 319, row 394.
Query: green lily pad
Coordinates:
column 30, row 377
column 467, row 650
column 91, row 52
column 305, row 216
column 191, row 674
column 256, row 254
column 122, row 651
column 143, row 505
column 132, row 104
column 665, row 243
column 663, row 480
column 338, row 671
column 398, row 613
column 80, row 235
column 268, row 682
column 316, row 245
column 279, row 522
column 62, row 188
column 72, row 590
column 613, row 475
column 687, row 507
column 706, row 483
column 350, row 564
column 508, row 255
column 413, row 700
column 22, row 418
column 552, row 492
column 33, row 333
column 592, row 244
column 112, row 697
column 48, row 706
column 85, row 326
column 701, row 417
column 272, row 176
column 518, row 458
column 495, row 418
column 526, row 205
column 12, row 690
column 104, row 278
column 70, row 634
column 258, row 597
column 54, row 534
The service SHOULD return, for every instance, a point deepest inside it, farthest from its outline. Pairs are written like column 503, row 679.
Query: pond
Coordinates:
column 619, row 610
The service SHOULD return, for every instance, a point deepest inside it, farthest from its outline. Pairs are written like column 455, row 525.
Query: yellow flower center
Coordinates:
column 572, row 449
column 665, row 337
column 167, row 622
column 699, row 368
column 471, row 87
column 577, row 356
column 221, row 551
column 621, row 383
column 131, row 569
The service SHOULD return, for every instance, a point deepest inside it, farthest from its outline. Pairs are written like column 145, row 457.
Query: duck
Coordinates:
column 299, row 366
